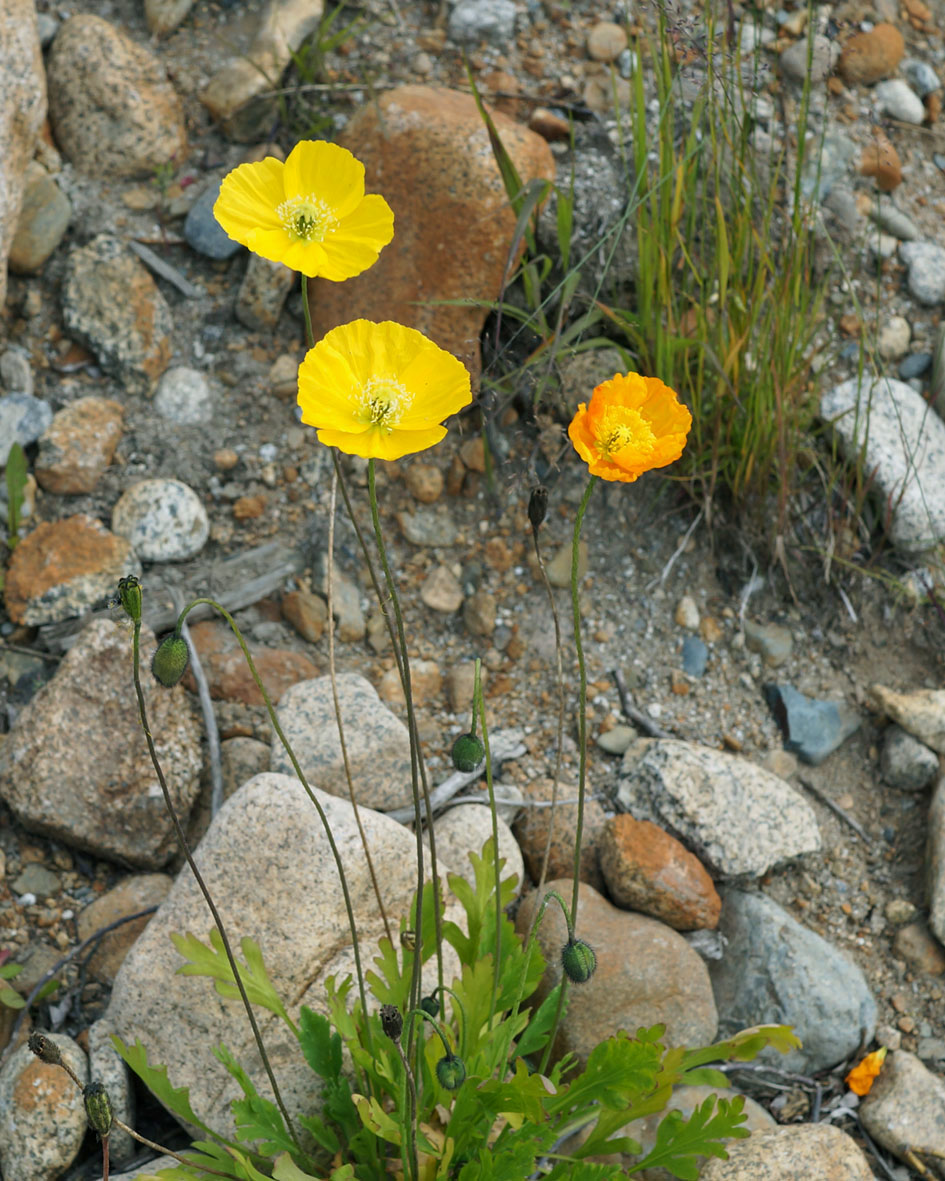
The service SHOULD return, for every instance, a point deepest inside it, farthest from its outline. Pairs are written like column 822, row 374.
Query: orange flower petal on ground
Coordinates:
column 309, row 213
column 631, row 425
column 861, row 1077
column 380, row 390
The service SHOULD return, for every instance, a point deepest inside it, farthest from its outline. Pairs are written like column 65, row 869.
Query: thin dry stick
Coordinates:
column 835, row 808
column 206, row 709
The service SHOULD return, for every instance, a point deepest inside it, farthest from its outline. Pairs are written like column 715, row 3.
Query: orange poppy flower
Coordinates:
column 860, row 1079
column 631, row 425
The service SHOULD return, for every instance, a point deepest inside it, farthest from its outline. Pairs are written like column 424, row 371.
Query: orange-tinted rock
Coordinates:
column 307, row 613
column 135, row 893
column 868, row 57
column 531, row 830
column 228, row 674
column 64, row 568
column 78, row 445
column 881, row 160
column 648, row 870
column 426, row 150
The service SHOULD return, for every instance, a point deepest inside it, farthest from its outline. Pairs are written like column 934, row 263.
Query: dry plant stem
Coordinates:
column 105, row 1156
column 185, row 848
column 337, row 704
column 206, row 709
column 274, row 721
column 409, row 1155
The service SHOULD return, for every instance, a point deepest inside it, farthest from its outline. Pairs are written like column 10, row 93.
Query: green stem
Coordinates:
column 309, row 334
column 480, row 704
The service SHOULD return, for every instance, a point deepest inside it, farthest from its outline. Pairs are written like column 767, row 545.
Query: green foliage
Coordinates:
column 15, row 476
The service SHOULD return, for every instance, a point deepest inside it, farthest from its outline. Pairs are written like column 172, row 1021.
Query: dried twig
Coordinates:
column 630, row 711
column 167, row 272
column 834, row 807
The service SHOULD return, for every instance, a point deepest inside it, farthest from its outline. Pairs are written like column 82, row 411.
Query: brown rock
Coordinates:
column 921, row 713
column 135, row 893
column 606, row 41
column 112, row 108
column 78, row 445
column 868, row 57
column 880, row 159
column 548, row 125
column 249, row 508
column 454, row 243
column 441, row 590
column 479, row 612
column 241, row 758
column 917, row 947
column 307, row 613
column 648, row 870
column 228, row 674
column 473, row 454
column 426, row 683
column 531, row 829
column 424, row 482
column 63, row 568
column 905, row 1109
column 795, row 1152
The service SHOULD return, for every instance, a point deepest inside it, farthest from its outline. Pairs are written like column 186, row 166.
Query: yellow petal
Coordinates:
column 326, row 171
column 371, row 223
column 248, row 200
column 306, row 257
column 440, row 384
column 377, row 444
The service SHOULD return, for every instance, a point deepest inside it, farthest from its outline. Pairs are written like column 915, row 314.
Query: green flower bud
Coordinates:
column 430, row 1005
column 169, row 662
column 451, row 1072
column 468, row 752
column 44, row 1048
column 392, row 1022
column 98, row 1108
column 129, row 597
column 578, row 960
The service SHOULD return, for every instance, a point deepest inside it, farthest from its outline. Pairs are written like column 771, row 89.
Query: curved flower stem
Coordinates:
column 185, row 849
column 462, row 1008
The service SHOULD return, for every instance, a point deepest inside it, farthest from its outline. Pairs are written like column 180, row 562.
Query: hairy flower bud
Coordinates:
column 98, row 1108
column 430, row 1005
column 129, row 597
column 44, row 1048
column 169, row 662
column 537, row 506
column 392, row 1022
column 468, row 752
column 578, row 960
column 451, row 1071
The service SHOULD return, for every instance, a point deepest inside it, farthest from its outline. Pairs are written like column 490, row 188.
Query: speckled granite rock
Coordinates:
column 795, row 1152
column 164, row 520
column 905, row 1109
column 78, row 445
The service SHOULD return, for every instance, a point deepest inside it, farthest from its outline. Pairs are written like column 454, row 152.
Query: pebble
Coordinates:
column 893, row 221
column 617, row 740
column 307, row 613
column 548, row 125
column 183, row 396
column 16, row 374
column 42, row 1114
column 771, row 640
column 441, row 590
column 935, row 861
column 775, row 969
column 46, row 26
column 899, row 910
column 23, row 419
column 812, row 729
column 426, row 684
column 78, row 445
column 739, row 819
column 921, row 713
column 284, row 376
column 43, row 220
column 926, row 278
column 916, row 946
column 63, row 568
column 262, row 294
column 868, row 57
column 906, row 763
column 428, row 526
column 163, row 16
column 687, row 613
column 111, row 305
column 606, row 41
column 424, row 482
column 894, row 337
column 479, row 613
column 920, row 76
column 904, row 450
column 531, row 829
column 649, row 871
column 473, row 21
column 896, row 99
column 799, row 1152
column 915, row 365
column 559, row 568
column 202, row 231
column 794, row 60
column 649, row 974
column 37, row 880
column 136, row 892
column 112, row 108
column 695, row 656
column 346, row 600
column 376, row 740
column 164, row 520
column 905, row 1109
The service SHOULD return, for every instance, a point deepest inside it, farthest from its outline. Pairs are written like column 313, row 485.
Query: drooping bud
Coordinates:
column 578, row 960
column 129, row 597
column 468, row 752
column 451, row 1071
column 392, row 1022
column 430, row 1005
column 537, row 506
column 169, row 662
column 44, row 1048
column 98, row 1108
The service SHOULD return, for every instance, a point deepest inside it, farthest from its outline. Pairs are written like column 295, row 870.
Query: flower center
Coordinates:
column 383, row 402
column 621, row 427
column 306, row 219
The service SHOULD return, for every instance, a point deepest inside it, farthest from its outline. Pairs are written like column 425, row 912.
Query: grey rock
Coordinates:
column 799, row 1152
column 617, row 740
column 892, row 219
column 772, row 641
column 202, row 230
column 164, row 520
column 183, row 396
column 22, row 420
column 345, row 600
column 163, row 16
column 793, row 60
column 926, row 278
column 472, row 21
column 921, row 712
column 904, row 445
column 915, row 365
column 106, row 801
column 920, row 76
column 464, row 830
column 428, row 526
column 111, row 304
column 262, row 294
column 16, row 374
column 907, row 763
column 377, row 743
column 905, row 1109
column 695, row 656
column 241, row 758
column 812, row 729
column 47, row 26
column 776, row 970
column 896, row 98
column 935, row 861
column 38, row 880
column 44, row 218
column 42, row 1114
column 267, row 860
column 106, row 1067
column 738, row 818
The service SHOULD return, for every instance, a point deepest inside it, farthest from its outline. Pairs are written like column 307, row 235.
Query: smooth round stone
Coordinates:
column 164, row 520
column 183, row 396
column 202, row 230
column 44, row 218
column 914, row 365
column 617, row 740
column 898, row 100
column 926, row 262
column 22, row 420
column 472, row 21
column 16, row 375
column 895, row 222
column 794, row 59
column 695, row 656
column 920, row 76
column 606, row 41
column 894, row 337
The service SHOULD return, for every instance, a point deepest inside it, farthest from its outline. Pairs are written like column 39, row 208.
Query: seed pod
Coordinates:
column 392, row 1022
column 451, row 1071
column 169, row 662
column 468, row 752
column 129, row 596
column 537, row 506
column 430, row 1005
column 578, row 960
column 98, row 1108
column 44, row 1048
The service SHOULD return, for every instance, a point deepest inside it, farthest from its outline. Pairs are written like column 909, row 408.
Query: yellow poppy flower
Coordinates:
column 309, row 213
column 380, row 390
column 632, row 424
column 860, row 1078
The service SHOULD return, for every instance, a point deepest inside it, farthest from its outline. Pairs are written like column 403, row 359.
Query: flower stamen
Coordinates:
column 383, row 402
column 306, row 219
